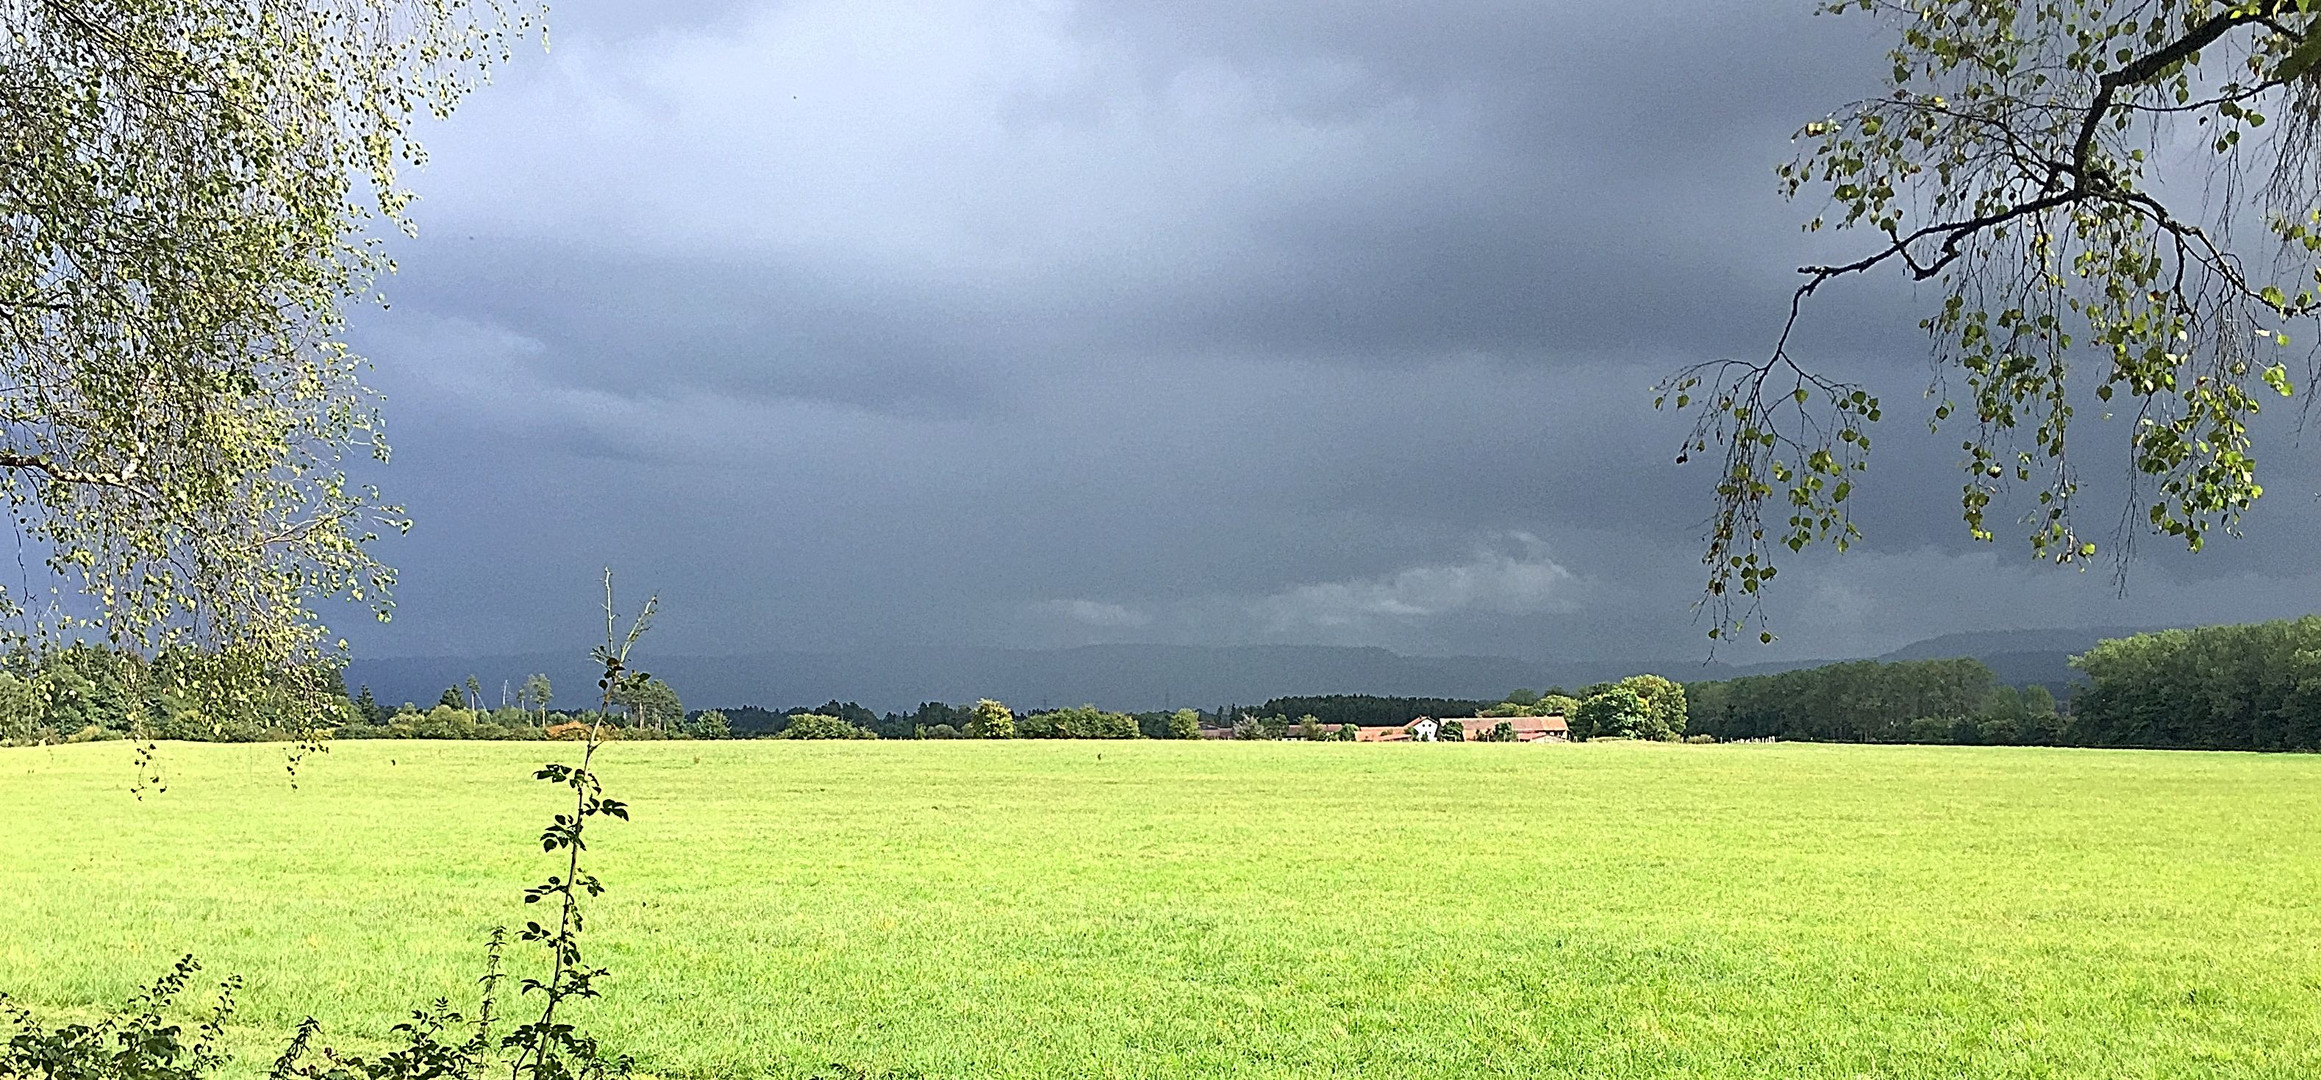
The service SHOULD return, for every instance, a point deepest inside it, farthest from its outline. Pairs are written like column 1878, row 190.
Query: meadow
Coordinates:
column 1158, row 909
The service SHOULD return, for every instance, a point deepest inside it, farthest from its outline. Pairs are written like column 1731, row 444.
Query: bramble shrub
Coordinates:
column 133, row 1044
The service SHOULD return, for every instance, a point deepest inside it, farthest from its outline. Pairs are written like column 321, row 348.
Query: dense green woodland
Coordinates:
column 1922, row 701
column 2251, row 687
column 2254, row 687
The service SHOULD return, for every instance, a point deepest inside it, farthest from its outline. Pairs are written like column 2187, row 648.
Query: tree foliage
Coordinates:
column 187, row 195
column 1616, row 712
column 709, row 724
column 1078, row 722
column 1638, row 707
column 817, row 726
column 536, row 693
column 1665, row 709
column 1184, row 724
column 2255, row 687
column 990, row 720
column 2015, row 163
column 649, row 703
column 1861, row 701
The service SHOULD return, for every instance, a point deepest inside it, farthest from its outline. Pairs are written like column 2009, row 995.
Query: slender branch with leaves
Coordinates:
column 2016, row 160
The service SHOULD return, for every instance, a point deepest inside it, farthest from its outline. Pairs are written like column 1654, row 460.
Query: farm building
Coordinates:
column 1527, row 728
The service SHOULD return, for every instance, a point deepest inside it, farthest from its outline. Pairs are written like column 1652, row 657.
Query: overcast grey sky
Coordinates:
column 849, row 322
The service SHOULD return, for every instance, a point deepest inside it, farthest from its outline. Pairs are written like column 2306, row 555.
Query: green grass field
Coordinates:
column 1233, row 909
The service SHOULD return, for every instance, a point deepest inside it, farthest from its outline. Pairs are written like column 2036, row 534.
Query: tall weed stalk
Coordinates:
column 546, row 1049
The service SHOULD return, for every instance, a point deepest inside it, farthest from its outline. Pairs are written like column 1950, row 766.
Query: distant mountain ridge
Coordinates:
column 2020, row 657
column 1141, row 677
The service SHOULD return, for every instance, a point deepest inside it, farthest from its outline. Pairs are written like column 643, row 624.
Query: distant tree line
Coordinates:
column 1637, row 707
column 2247, row 687
column 1365, row 710
column 1914, row 701
column 1249, row 726
column 83, row 693
column 642, row 707
column 86, row 692
column 2251, row 687
column 2254, row 687
column 985, row 719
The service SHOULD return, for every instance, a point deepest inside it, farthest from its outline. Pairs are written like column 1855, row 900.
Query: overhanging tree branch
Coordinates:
column 2009, row 124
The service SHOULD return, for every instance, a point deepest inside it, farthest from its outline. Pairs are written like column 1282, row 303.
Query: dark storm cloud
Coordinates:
column 849, row 323
column 742, row 328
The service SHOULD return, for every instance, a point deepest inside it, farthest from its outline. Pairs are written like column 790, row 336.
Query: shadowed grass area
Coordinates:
column 1154, row 909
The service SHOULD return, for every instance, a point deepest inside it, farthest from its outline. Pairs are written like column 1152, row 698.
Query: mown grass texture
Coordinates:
column 1229, row 909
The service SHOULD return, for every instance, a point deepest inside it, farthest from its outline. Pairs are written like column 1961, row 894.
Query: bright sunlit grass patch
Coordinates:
column 957, row 909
